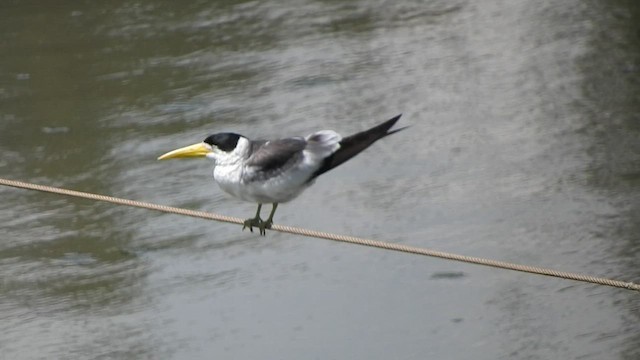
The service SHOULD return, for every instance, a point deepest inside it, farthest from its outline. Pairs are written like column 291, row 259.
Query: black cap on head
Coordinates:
column 223, row 141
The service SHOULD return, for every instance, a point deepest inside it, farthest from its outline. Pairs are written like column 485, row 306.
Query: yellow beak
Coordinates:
column 195, row 150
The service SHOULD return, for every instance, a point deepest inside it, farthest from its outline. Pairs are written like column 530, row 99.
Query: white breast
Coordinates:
column 277, row 189
column 229, row 178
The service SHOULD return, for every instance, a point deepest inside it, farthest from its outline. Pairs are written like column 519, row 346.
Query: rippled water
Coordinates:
column 524, row 146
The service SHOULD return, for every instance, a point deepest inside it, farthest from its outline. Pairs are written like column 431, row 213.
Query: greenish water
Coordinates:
column 524, row 146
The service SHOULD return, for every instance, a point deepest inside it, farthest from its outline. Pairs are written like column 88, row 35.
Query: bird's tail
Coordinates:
column 351, row 146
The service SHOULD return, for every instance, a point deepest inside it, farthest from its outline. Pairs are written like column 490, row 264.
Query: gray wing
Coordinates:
column 268, row 157
column 271, row 158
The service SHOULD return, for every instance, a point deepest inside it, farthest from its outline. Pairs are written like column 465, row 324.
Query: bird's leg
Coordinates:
column 269, row 222
column 263, row 225
column 256, row 221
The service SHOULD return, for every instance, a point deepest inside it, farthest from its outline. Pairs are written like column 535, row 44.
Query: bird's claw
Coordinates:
column 259, row 223
column 250, row 223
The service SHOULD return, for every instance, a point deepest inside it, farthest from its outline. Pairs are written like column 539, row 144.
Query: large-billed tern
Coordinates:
column 277, row 171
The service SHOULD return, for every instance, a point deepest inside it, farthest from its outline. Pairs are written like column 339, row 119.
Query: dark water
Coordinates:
column 524, row 146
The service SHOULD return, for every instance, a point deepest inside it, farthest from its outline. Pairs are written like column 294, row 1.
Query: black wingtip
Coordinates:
column 352, row 145
column 396, row 130
column 383, row 129
column 393, row 120
column 389, row 124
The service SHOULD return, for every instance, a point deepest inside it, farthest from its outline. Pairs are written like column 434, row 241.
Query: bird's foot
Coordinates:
column 259, row 223
column 250, row 223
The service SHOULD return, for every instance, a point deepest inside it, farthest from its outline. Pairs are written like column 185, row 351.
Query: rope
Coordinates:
column 330, row 236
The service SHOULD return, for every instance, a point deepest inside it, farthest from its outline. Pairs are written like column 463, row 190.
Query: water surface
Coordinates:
column 523, row 147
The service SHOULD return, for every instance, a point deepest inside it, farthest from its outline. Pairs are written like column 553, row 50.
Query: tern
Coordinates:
column 277, row 171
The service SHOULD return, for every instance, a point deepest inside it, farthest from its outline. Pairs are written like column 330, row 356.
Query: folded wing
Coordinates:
column 354, row 144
